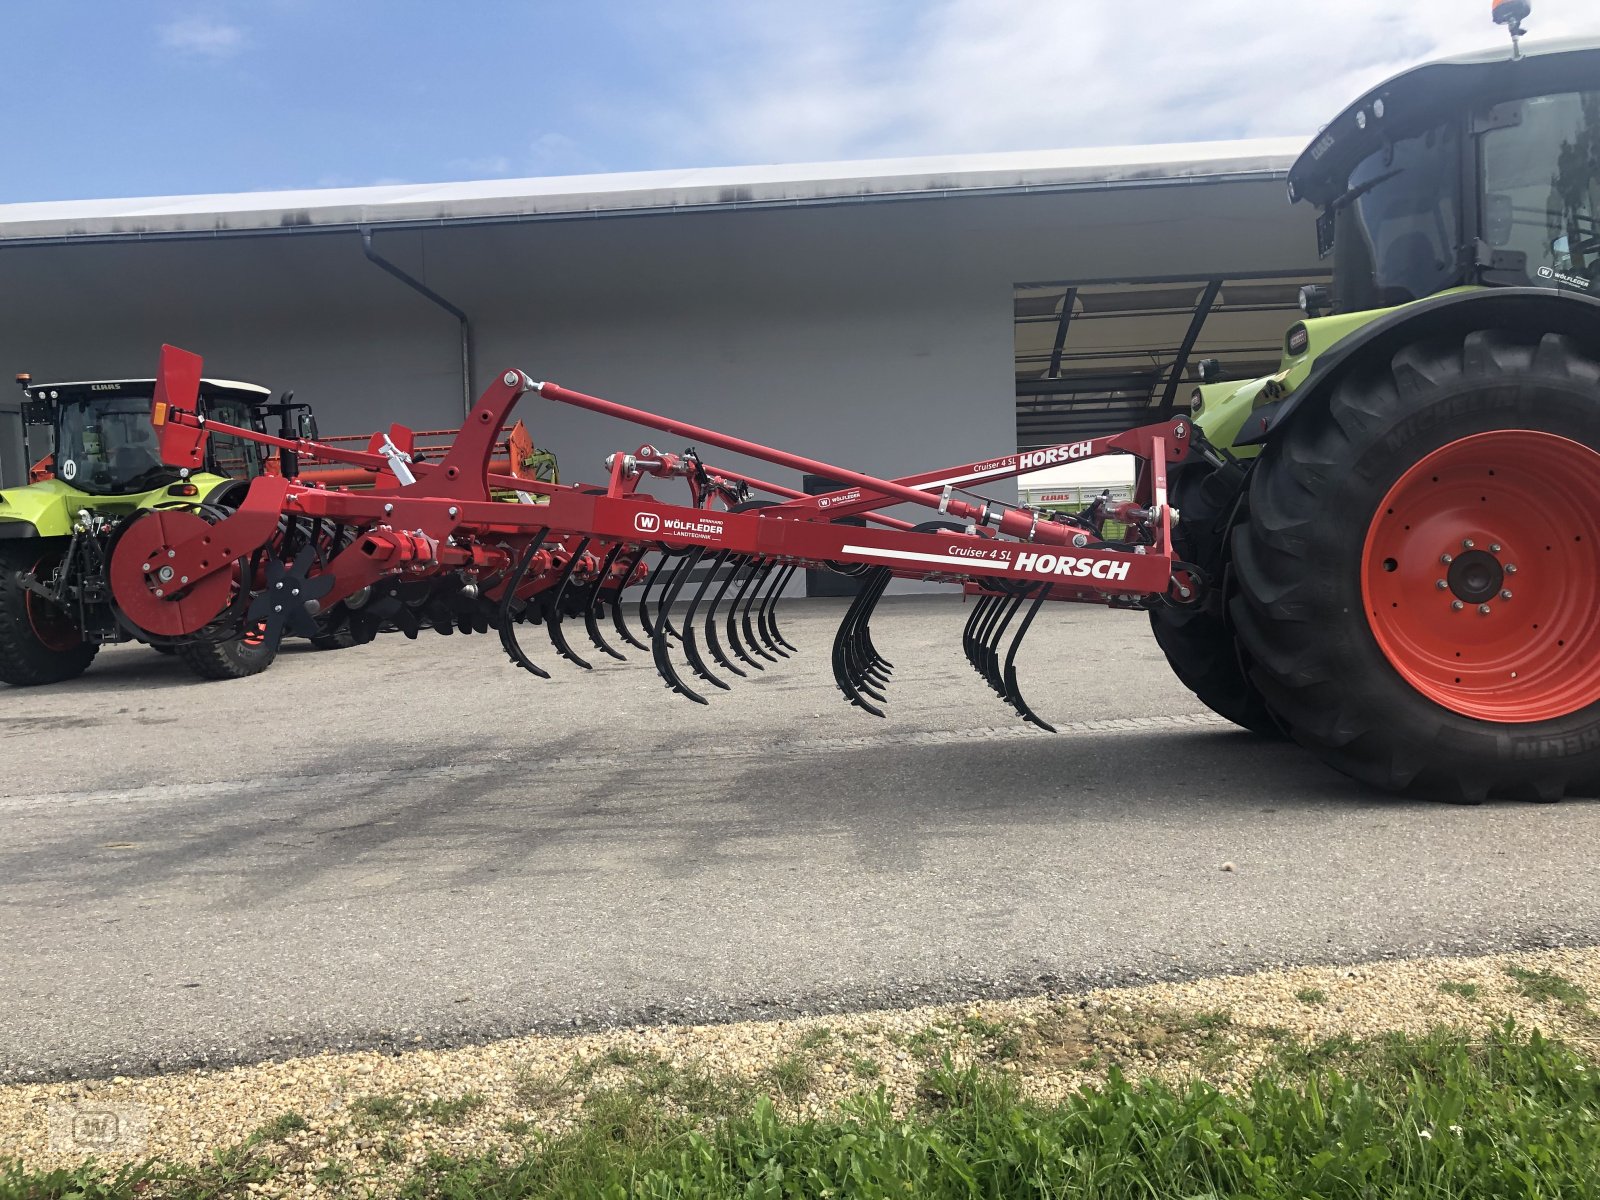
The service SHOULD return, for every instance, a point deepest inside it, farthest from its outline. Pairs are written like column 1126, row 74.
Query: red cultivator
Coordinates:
column 455, row 546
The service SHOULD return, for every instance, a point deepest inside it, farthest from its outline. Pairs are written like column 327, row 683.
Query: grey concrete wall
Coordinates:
column 876, row 335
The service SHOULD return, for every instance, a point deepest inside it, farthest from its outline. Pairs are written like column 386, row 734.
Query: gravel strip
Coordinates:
column 375, row 1115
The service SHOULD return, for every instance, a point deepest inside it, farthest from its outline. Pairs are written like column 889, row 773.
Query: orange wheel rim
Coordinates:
column 1481, row 576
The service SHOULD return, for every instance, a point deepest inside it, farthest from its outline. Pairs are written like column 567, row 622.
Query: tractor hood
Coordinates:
column 49, row 508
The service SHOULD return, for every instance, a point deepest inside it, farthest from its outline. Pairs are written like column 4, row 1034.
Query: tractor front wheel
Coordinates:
column 1419, row 584
column 39, row 642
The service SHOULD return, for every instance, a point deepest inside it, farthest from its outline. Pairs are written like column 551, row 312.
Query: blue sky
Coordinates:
column 154, row 97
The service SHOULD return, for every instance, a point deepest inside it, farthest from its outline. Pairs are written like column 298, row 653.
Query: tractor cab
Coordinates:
column 1480, row 170
column 104, row 444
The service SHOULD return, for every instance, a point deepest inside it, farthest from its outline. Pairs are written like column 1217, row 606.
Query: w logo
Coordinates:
column 646, row 522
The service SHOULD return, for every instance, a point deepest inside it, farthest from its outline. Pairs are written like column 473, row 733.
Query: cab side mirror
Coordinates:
column 307, row 425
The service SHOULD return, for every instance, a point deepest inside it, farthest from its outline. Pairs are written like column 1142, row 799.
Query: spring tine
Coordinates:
column 508, row 636
column 712, row 643
column 982, row 627
column 772, row 616
column 1013, row 693
column 852, row 657
column 842, row 675
column 618, row 616
column 690, row 649
column 750, row 637
column 862, row 638
column 979, row 607
column 982, row 631
column 591, row 610
column 991, row 649
column 552, row 624
column 733, row 616
column 878, row 667
column 674, row 584
column 660, row 643
column 764, row 612
column 736, row 564
column 644, row 597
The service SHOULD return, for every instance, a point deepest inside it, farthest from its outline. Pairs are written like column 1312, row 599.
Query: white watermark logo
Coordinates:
column 90, row 1127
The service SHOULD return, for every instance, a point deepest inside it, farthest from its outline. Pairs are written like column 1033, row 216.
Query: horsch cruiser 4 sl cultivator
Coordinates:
column 1388, row 550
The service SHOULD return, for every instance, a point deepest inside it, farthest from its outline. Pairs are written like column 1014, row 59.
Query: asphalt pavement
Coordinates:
column 415, row 843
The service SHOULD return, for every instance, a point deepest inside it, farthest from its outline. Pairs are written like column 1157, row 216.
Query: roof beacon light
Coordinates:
column 1511, row 14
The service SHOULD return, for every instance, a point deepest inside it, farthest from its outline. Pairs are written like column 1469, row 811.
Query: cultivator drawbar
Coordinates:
column 454, row 545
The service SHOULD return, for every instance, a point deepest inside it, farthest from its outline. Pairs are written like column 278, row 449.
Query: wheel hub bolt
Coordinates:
column 1484, row 609
column 1457, row 605
column 1494, row 548
column 1441, row 584
column 1466, row 543
column 1506, row 595
column 1511, row 568
column 1447, row 559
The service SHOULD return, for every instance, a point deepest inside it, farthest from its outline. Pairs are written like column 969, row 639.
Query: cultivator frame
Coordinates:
column 435, row 544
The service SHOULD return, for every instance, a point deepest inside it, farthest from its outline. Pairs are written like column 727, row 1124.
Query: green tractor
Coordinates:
column 58, row 532
column 1403, row 535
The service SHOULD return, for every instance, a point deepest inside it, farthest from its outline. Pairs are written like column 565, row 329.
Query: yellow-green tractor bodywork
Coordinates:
column 50, row 507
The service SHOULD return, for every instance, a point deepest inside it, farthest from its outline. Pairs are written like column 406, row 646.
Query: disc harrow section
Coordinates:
column 694, row 580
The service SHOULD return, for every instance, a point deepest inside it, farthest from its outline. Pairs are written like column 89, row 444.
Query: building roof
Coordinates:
column 579, row 196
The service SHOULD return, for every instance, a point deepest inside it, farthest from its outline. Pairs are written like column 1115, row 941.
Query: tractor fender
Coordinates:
column 229, row 493
column 11, row 530
column 1524, row 309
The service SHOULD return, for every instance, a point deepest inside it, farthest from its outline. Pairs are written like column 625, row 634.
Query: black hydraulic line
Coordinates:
column 691, row 648
column 508, row 636
column 712, row 644
column 660, row 645
column 468, row 390
column 1013, row 693
column 558, row 637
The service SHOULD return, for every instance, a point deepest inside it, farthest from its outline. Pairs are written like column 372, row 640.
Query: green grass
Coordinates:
column 280, row 1127
column 1508, row 1114
column 1311, row 996
column 1548, row 986
column 863, row 1067
column 1467, row 991
column 397, row 1110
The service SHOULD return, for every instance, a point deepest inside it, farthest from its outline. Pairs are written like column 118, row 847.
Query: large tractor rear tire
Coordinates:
column 1199, row 643
column 1203, row 654
column 236, row 658
column 39, row 643
column 1419, row 584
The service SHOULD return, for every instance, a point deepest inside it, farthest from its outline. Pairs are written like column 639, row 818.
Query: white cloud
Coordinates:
column 846, row 79
column 203, row 37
